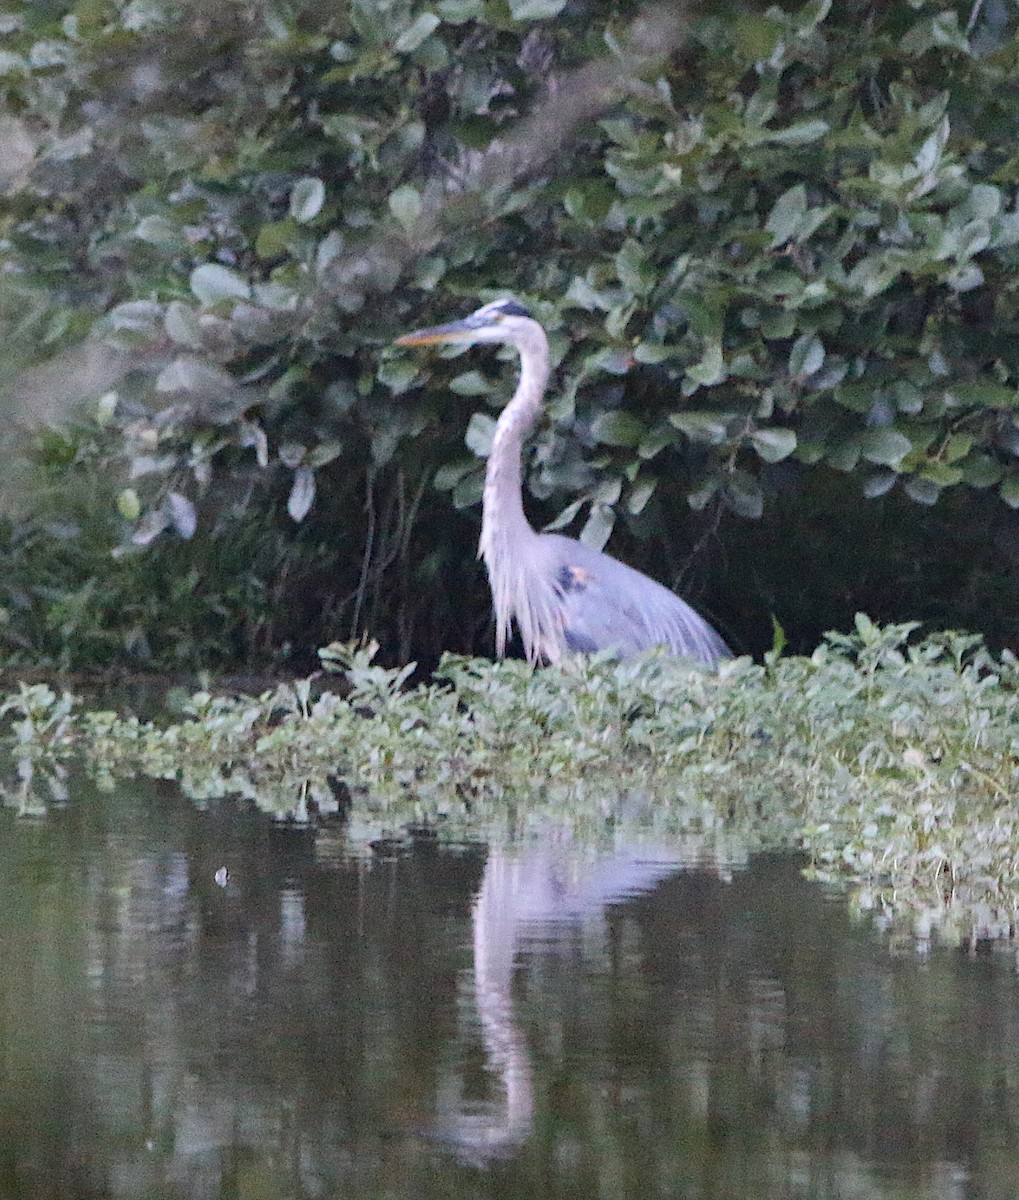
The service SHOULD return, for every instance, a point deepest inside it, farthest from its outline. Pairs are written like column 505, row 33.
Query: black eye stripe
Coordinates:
column 494, row 312
column 511, row 308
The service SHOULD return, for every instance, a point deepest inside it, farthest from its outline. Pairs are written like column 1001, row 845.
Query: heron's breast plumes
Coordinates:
column 523, row 594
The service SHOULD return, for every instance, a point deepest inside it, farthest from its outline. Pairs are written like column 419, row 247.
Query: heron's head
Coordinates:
column 500, row 321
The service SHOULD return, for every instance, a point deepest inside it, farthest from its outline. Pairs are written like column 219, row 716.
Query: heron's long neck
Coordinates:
column 503, row 519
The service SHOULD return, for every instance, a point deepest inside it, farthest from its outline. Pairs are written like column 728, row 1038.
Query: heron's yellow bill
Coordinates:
column 455, row 331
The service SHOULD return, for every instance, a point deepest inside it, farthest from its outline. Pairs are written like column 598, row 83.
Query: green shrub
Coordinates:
column 775, row 242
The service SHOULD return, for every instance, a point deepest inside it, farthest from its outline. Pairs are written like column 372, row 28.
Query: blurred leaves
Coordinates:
column 302, row 494
column 211, row 283
column 306, row 199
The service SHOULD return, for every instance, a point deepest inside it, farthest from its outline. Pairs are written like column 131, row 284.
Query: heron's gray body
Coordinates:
column 604, row 604
column 560, row 594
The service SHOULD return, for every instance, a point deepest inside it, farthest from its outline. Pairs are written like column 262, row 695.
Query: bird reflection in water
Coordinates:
column 539, row 901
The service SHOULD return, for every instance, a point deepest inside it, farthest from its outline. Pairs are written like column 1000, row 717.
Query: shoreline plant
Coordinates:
column 891, row 763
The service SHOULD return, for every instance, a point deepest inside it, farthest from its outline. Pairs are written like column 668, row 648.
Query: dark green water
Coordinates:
column 457, row 1021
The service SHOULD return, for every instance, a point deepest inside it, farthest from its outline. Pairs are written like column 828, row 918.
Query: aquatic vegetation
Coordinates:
column 893, row 763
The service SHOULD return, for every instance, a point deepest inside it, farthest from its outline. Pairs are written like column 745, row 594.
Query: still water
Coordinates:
column 209, row 1004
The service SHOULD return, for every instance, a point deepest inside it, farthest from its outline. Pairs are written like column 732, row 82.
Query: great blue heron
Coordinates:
column 561, row 594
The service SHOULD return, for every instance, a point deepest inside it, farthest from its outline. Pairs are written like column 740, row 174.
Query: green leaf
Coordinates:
column 755, row 36
column 135, row 316
column 984, row 395
column 879, row 483
column 405, row 205
column 611, row 360
column 212, row 282
column 923, row 491
column 777, row 324
column 342, row 52
column 886, row 446
column 873, row 274
column 190, row 373
column 617, row 428
column 772, row 445
column 397, row 374
column 563, row 518
column 631, row 268
column 470, row 383
column 811, row 15
column 709, row 371
column 328, row 250
column 983, row 202
column 908, row 397
column 799, row 134
column 744, row 496
column 535, row 10
column 844, row 454
column 182, row 515
column 469, row 490
column 274, row 238
column 965, row 278
column 981, row 470
column 806, row 356
column 869, row 633
column 480, row 432
column 1009, row 490
column 582, row 294
column 150, row 527
column 106, row 407
column 416, row 33
column 456, row 12
column 942, row 29
column 974, row 237
column 447, row 477
column 661, row 436
column 941, row 473
column 384, row 442
column 183, row 325
column 652, row 352
column 158, row 231
column 291, row 454
column 598, row 526
column 302, row 493
column 608, row 490
column 306, row 198
column 957, row 446
column 786, row 215
column 705, row 488
column 324, row 453
column 640, row 493
column 252, row 436
column 275, row 296
column 128, row 504
column 429, row 272
column 928, row 157
column 708, row 427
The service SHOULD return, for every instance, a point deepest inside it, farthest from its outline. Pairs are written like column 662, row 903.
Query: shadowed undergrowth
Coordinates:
column 893, row 764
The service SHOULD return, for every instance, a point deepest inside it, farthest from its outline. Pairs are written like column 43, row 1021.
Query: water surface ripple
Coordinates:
column 207, row 1004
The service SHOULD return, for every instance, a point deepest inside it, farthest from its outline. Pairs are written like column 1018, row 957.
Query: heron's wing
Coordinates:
column 606, row 604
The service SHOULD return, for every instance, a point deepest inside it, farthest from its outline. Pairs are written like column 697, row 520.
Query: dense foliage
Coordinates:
column 893, row 764
column 766, row 242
